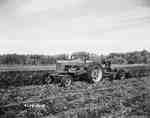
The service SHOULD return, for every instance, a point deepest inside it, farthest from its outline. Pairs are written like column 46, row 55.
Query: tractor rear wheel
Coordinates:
column 95, row 73
column 66, row 80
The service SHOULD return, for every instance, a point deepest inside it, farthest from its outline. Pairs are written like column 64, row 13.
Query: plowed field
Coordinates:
column 129, row 98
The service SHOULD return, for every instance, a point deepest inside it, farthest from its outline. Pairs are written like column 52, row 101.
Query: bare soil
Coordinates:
column 129, row 98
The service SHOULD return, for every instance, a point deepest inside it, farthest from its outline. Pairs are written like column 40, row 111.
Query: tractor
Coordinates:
column 73, row 69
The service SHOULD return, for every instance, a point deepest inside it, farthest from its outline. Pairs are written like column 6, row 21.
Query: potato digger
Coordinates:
column 72, row 69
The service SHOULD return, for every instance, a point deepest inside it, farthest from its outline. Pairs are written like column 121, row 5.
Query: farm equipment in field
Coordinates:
column 75, row 69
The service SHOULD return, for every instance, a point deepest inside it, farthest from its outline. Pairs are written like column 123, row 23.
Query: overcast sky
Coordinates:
column 63, row 26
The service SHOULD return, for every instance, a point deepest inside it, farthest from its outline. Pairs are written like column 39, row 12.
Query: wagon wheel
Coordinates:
column 95, row 73
column 66, row 80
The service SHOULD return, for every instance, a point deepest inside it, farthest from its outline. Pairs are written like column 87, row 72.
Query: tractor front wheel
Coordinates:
column 48, row 80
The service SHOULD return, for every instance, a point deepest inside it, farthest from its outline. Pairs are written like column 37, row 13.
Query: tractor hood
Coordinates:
column 73, row 62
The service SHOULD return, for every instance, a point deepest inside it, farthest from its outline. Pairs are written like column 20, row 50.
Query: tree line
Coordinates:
column 136, row 57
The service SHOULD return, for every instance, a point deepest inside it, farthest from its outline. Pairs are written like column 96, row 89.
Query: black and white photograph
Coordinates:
column 74, row 58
